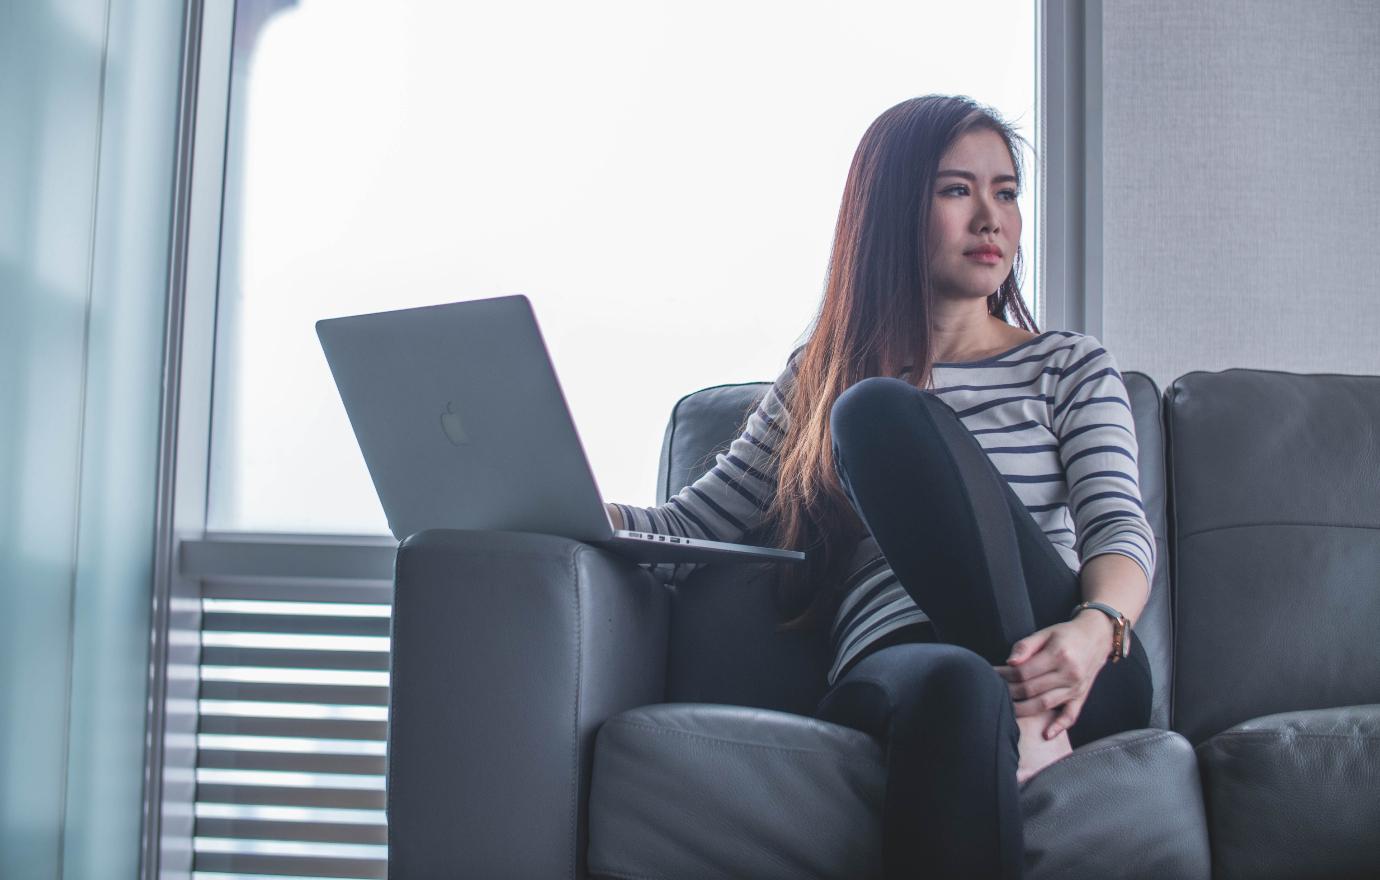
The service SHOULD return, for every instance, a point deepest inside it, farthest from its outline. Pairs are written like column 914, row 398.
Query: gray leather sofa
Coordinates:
column 556, row 712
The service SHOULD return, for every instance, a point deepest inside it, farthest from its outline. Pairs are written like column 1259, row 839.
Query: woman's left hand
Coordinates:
column 1056, row 666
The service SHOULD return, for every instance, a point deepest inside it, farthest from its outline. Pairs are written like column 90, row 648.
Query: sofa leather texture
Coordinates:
column 1276, row 492
column 696, row 792
column 1295, row 795
column 686, row 790
column 1127, row 806
column 509, row 651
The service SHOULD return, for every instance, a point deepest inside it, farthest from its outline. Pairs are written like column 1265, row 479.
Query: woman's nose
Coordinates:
column 984, row 215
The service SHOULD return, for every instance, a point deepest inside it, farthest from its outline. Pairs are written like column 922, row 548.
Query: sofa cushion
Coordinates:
column 1295, row 795
column 1276, row 536
column 693, row 791
column 1127, row 805
column 704, row 791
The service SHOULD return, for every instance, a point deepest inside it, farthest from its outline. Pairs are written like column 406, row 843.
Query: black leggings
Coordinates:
column 963, row 545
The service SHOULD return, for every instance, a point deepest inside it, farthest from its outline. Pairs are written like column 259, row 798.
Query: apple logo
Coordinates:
column 450, row 423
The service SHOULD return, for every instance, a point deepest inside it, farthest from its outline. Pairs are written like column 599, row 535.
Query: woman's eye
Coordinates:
column 1010, row 193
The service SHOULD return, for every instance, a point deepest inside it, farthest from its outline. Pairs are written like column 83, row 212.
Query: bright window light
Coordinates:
column 662, row 180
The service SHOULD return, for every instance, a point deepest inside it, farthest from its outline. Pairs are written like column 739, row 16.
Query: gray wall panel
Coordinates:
column 1241, row 190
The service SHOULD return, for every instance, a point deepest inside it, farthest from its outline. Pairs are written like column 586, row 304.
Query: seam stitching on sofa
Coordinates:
column 391, row 728
column 575, row 732
column 1280, row 734
column 1279, row 523
column 1117, row 747
column 1171, row 521
column 734, row 742
column 671, row 446
column 526, row 555
column 1161, row 558
column 619, row 875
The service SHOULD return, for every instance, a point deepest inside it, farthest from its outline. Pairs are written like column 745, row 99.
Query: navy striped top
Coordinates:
column 1052, row 415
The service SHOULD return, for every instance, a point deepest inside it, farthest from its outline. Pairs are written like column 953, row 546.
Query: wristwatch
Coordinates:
column 1121, row 646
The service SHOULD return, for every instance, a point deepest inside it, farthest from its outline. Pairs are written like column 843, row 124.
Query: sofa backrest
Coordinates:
column 1153, row 627
column 1275, row 512
column 725, row 647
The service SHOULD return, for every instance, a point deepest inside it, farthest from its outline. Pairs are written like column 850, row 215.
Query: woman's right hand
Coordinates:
column 615, row 514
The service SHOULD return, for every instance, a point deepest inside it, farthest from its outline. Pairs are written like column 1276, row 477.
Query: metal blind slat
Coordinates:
column 253, row 795
column 321, row 832
column 273, row 675
column 290, row 761
column 224, row 656
column 313, row 642
column 353, row 869
column 275, row 623
column 295, row 693
column 322, row 728
column 299, row 590
column 241, row 812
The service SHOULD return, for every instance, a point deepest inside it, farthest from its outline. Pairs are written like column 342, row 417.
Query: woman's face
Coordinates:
column 973, row 205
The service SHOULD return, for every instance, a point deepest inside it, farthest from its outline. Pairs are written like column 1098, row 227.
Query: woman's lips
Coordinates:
column 984, row 257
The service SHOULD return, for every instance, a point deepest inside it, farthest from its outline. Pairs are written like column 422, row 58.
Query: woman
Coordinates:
column 960, row 484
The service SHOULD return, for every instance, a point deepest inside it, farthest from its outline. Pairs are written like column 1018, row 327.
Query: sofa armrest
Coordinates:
column 509, row 651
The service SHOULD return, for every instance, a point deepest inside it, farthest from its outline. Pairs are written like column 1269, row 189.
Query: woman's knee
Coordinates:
column 928, row 674
column 873, row 408
column 865, row 402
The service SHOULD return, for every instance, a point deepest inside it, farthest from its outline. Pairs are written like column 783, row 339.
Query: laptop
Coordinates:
column 463, row 425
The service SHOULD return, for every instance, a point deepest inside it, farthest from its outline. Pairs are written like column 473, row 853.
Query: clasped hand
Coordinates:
column 1055, row 667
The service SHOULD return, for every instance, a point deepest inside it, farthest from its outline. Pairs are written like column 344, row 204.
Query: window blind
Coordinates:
column 292, row 739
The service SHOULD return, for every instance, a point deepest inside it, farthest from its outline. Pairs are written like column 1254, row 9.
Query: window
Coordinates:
column 638, row 170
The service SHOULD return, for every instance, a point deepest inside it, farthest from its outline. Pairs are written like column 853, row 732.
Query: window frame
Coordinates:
column 1068, row 125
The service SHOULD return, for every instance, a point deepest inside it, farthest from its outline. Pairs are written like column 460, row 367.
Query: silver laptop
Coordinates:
column 463, row 425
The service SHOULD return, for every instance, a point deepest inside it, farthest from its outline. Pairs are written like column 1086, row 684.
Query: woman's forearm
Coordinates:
column 1118, row 581
column 614, row 514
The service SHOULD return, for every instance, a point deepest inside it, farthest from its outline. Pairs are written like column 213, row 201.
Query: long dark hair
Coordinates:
column 873, row 320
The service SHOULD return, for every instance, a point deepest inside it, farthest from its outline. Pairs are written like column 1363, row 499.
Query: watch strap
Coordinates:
column 1121, row 646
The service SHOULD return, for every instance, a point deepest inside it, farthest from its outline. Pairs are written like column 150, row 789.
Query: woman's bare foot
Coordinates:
column 1036, row 752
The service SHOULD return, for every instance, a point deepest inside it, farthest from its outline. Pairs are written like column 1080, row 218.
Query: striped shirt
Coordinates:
column 1054, row 418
